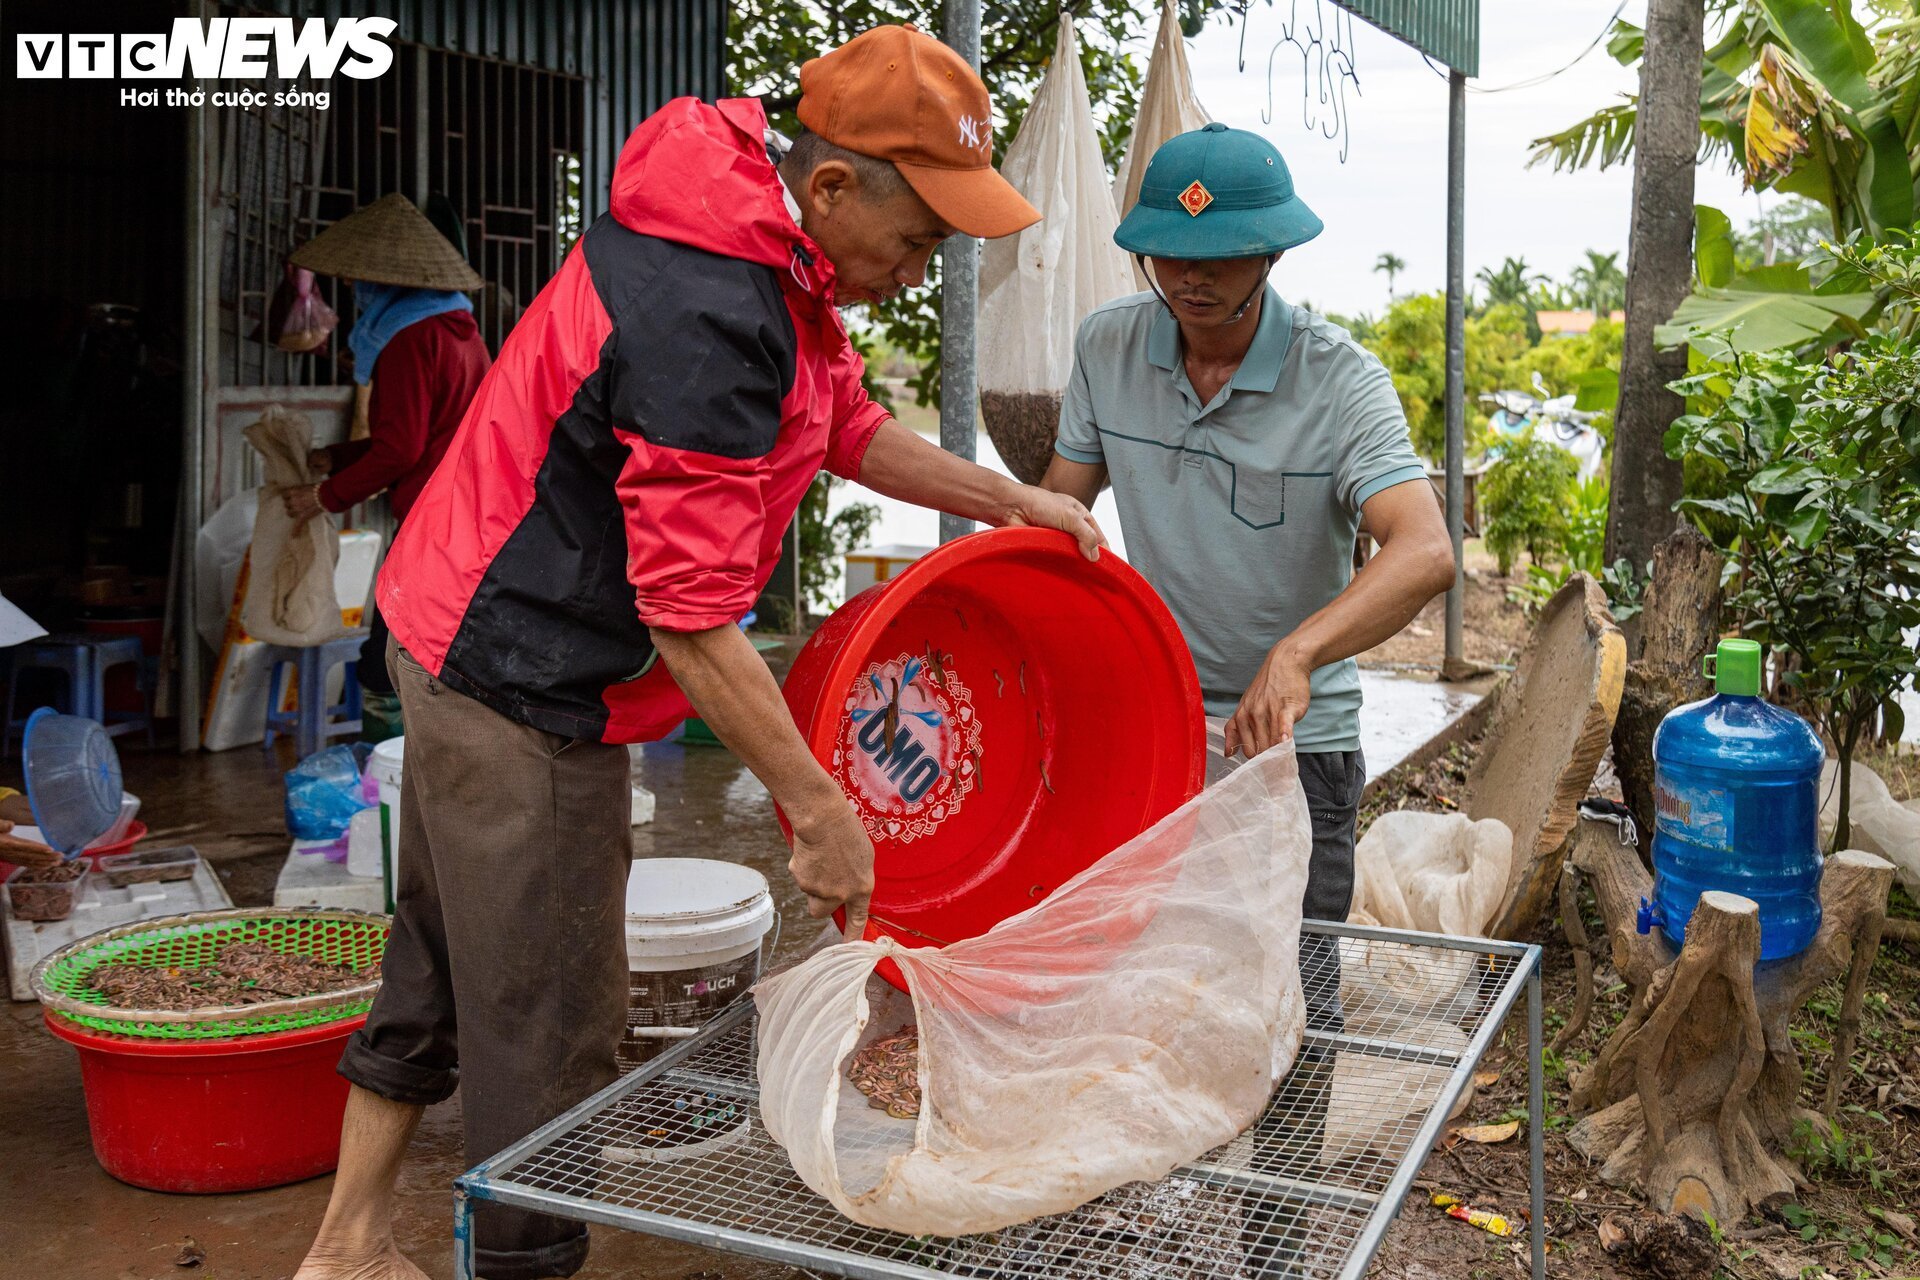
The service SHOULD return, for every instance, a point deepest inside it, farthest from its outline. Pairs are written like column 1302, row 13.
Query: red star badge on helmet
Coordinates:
column 1195, row 198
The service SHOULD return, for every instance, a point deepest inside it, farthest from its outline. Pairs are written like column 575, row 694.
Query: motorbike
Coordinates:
column 1546, row 417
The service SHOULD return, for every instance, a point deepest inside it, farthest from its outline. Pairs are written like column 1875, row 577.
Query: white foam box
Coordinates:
column 869, row 565
column 102, row 906
column 309, row 880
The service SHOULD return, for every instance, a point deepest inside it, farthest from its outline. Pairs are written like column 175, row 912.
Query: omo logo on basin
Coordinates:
column 909, row 746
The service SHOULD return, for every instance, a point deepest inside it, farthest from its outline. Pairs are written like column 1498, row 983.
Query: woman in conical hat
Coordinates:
column 413, row 326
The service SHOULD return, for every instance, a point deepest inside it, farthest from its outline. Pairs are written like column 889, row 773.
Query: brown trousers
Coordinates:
column 506, row 971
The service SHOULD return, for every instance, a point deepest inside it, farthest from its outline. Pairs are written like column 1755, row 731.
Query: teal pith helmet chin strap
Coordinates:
column 1140, row 259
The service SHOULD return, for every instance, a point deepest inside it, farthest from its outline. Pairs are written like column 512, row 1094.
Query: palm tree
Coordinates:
column 1393, row 266
column 1512, row 282
column 1599, row 282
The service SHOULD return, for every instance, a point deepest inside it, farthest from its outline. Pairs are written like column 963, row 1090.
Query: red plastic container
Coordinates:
column 213, row 1115
column 135, row 833
column 1061, row 719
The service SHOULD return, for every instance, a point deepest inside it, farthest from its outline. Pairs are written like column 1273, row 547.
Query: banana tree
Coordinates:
column 1801, row 97
column 1824, row 120
column 1798, row 96
column 1762, row 309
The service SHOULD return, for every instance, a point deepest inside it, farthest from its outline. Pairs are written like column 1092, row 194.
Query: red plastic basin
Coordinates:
column 135, row 833
column 1062, row 718
column 215, row 1115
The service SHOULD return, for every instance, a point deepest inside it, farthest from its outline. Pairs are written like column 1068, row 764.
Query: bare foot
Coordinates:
column 327, row 1262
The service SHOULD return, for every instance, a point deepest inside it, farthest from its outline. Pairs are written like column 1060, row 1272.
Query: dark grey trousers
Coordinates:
column 506, row 971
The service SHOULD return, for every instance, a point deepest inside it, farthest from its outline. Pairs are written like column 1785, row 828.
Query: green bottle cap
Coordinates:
column 1734, row 668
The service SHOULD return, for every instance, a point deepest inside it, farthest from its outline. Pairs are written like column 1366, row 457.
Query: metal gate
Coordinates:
column 499, row 143
column 513, row 113
column 495, row 146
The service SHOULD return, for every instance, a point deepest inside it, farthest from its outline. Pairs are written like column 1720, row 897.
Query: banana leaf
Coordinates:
column 1766, row 309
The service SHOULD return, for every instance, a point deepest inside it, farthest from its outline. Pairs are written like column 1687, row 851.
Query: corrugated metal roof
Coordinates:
column 1448, row 30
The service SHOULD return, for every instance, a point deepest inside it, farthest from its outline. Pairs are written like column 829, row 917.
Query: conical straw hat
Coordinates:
column 388, row 242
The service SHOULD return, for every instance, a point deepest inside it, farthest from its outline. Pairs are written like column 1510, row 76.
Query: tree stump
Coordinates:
column 1681, row 622
column 1694, row 1098
column 1544, row 740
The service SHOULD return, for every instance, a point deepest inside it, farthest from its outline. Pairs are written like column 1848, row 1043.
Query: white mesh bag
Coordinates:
column 1037, row 286
column 1168, row 108
column 1127, row 1024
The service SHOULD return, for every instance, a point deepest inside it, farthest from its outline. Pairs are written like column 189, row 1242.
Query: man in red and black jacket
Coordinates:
column 571, row 579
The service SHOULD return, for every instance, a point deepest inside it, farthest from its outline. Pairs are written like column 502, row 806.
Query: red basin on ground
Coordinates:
column 213, row 1115
column 1002, row 714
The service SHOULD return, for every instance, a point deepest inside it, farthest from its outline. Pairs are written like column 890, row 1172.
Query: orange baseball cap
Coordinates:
column 896, row 94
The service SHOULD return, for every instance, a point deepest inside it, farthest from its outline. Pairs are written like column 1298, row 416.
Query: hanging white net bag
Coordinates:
column 1168, row 108
column 1036, row 287
column 1134, row 1020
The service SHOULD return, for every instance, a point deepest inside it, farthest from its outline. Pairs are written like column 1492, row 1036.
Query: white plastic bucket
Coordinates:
column 694, row 933
column 385, row 767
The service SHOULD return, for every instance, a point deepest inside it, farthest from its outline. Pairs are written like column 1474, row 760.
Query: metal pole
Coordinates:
column 193, row 393
column 1536, row 1126
column 960, row 297
column 1454, row 667
column 422, row 141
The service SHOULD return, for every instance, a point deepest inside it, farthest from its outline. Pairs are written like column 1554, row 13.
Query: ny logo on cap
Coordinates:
column 971, row 133
column 1195, row 198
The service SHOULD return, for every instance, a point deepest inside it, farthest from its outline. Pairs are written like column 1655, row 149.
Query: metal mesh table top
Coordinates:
column 677, row 1149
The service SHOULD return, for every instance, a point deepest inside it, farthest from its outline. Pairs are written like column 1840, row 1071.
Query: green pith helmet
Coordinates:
column 1216, row 193
column 1734, row 667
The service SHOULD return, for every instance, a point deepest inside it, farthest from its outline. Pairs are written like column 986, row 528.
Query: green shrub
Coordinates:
column 1527, row 495
column 1822, row 499
column 1411, row 341
column 825, row 541
column 1585, row 551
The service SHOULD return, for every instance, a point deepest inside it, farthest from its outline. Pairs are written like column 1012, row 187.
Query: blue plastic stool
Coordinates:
column 84, row 658
column 312, row 722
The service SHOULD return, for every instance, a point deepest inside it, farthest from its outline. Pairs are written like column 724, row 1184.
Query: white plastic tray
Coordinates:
column 102, row 906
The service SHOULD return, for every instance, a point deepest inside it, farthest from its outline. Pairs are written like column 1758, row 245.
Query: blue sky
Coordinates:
column 1390, row 193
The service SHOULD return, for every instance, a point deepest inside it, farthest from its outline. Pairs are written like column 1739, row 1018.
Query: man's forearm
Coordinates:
column 899, row 464
column 734, row 692
column 1078, row 480
column 1382, row 598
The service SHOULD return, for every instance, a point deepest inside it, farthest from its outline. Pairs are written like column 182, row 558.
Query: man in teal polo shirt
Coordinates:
column 1246, row 439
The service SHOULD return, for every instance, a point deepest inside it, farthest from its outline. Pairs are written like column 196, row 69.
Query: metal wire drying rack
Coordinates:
column 676, row 1149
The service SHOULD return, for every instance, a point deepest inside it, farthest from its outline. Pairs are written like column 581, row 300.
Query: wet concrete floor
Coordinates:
column 63, row 1218
column 1402, row 712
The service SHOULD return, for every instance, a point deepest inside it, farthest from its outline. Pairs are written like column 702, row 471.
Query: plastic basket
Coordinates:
column 73, row 778
column 60, row 982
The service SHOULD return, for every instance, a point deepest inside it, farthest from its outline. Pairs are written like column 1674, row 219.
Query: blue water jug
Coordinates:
column 1736, row 790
